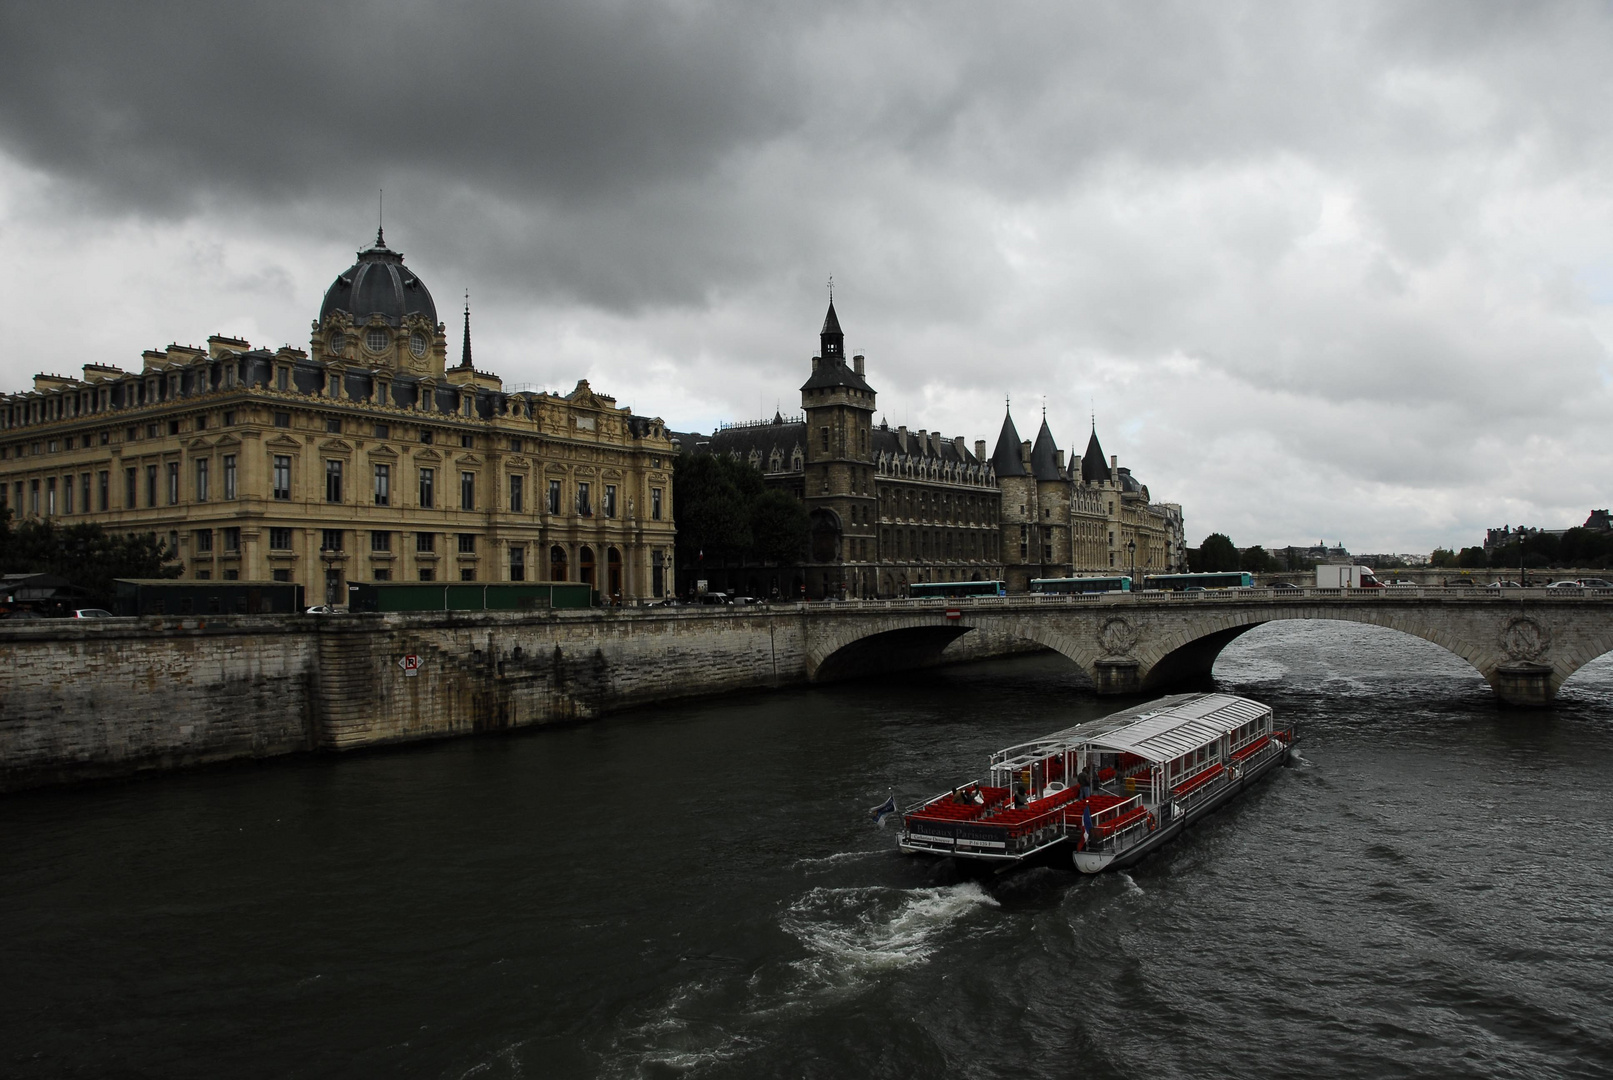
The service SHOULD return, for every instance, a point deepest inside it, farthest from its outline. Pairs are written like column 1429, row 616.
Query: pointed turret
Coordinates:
column 1005, row 459
column 1094, row 466
column 464, row 352
column 831, row 340
column 1045, row 455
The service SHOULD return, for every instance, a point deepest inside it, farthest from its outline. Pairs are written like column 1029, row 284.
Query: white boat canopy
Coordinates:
column 1158, row 731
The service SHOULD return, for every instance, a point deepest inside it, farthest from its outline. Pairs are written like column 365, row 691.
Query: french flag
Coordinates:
column 1086, row 826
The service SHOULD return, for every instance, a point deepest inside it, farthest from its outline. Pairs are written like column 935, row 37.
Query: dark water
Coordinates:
column 698, row 891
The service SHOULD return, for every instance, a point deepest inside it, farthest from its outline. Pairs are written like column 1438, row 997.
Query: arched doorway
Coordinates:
column 585, row 566
column 613, row 570
column 658, row 575
column 557, row 564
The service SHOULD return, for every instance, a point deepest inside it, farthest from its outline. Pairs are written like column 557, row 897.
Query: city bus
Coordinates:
column 929, row 589
column 1234, row 579
column 1081, row 585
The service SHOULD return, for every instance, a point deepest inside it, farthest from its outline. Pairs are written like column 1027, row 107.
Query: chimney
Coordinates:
column 957, row 444
column 1061, row 460
column 1114, row 467
column 815, row 361
column 1025, row 453
column 857, row 363
column 980, row 450
column 924, row 441
column 901, row 437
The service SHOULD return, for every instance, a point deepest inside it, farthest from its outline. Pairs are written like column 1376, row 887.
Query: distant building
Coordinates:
column 364, row 458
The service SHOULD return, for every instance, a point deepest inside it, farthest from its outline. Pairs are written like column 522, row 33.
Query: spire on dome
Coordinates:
column 1045, row 454
column 464, row 353
column 1005, row 458
column 1094, row 466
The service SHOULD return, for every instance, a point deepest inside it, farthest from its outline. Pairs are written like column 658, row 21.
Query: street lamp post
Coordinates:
column 1131, row 552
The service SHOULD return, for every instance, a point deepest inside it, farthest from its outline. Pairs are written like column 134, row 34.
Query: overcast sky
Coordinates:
column 1339, row 271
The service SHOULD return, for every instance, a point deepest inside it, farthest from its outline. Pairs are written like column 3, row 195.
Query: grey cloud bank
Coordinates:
column 1324, row 270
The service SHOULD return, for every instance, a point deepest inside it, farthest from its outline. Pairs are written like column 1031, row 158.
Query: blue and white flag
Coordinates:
column 884, row 809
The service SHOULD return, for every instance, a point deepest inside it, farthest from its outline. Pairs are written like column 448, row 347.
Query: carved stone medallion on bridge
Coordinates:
column 1116, row 637
column 1525, row 639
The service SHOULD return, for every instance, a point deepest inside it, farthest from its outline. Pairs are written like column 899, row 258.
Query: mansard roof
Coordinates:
column 889, row 442
column 379, row 284
column 1005, row 458
column 834, row 371
column 1094, row 466
column 1045, row 455
column 781, row 435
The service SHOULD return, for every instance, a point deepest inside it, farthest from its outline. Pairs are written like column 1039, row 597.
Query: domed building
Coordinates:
column 363, row 458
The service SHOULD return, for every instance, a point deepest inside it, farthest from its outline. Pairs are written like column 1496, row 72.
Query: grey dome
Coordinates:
column 379, row 284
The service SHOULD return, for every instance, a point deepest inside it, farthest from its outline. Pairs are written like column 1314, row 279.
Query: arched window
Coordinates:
column 585, row 566
column 557, row 564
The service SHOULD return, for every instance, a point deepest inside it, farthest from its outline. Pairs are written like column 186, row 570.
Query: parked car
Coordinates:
column 1283, row 585
column 716, row 598
column 1596, row 583
column 1503, row 585
column 323, row 609
column 92, row 613
column 1568, row 583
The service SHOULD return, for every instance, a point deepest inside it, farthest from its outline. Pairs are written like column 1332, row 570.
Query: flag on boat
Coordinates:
column 883, row 809
column 1086, row 826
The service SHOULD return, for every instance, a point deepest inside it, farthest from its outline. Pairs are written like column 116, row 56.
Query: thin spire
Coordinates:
column 464, row 355
column 831, row 289
column 380, row 218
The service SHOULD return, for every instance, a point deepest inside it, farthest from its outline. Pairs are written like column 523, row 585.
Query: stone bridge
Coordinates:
column 1525, row 642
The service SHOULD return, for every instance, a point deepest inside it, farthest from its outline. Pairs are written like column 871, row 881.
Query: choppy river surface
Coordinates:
column 698, row 891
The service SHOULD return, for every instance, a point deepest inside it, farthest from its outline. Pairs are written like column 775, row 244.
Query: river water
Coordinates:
column 699, row 891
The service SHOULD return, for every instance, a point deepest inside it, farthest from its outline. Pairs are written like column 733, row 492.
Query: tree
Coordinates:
column 1215, row 555
column 1444, row 557
column 1255, row 560
column 85, row 554
column 1471, row 558
column 779, row 528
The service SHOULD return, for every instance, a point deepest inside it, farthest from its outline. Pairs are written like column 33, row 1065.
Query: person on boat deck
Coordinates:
column 1083, row 782
column 1019, row 798
column 961, row 796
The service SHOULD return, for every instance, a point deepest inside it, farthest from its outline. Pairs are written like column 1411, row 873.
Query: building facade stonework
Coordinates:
column 366, row 458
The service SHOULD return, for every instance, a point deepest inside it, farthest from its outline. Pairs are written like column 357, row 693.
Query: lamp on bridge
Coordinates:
column 1131, row 552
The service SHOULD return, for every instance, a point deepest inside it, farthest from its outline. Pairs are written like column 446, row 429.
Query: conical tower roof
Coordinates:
column 1094, row 466
column 1005, row 459
column 1045, row 455
column 831, row 321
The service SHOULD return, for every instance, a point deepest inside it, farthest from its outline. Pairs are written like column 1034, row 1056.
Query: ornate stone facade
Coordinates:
column 368, row 459
column 1089, row 518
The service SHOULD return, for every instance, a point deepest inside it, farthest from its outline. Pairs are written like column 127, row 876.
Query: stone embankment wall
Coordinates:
column 80, row 700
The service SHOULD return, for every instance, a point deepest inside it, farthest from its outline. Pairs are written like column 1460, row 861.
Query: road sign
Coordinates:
column 410, row 665
column 954, row 613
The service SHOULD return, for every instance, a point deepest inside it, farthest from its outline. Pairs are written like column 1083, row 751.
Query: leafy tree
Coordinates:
column 1471, row 558
column 83, row 553
column 1214, row 555
column 1255, row 560
column 1442, row 557
column 779, row 527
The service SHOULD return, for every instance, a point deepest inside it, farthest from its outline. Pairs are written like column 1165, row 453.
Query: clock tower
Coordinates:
column 839, row 470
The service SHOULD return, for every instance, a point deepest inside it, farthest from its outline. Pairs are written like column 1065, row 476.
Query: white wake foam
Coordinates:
column 854, row 933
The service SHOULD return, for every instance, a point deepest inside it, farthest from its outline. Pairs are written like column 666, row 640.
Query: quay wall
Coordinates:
column 89, row 699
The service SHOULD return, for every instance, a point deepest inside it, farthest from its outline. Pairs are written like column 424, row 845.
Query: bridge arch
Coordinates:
column 918, row 640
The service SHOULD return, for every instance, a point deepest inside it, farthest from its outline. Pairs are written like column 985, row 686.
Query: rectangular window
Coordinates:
column 204, row 575
column 517, row 493
column 823, row 432
column 33, row 497
column 425, row 436
column 383, row 485
column 102, row 490
column 468, row 442
column 380, row 540
column 282, row 380
column 583, row 506
column 335, row 390
column 428, row 494
column 280, row 575
column 428, row 575
column 67, row 495
column 232, row 539
column 151, row 485
column 173, row 426
column 383, row 431
column 282, row 419
column 201, row 480
column 467, row 491
column 203, row 540
column 515, row 444
column 610, row 500
column 517, row 564
column 229, row 476
column 173, row 483
column 50, row 497
column 554, row 496
column 331, row 540
column 84, row 492
column 425, row 543
column 382, row 574
column 279, row 539
column 467, row 574
column 467, row 543
column 333, row 425
column 130, row 487
column 282, row 476
column 333, row 481
column 201, row 423
column 655, row 504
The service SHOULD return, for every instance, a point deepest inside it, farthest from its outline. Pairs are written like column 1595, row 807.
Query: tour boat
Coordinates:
column 1149, row 772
